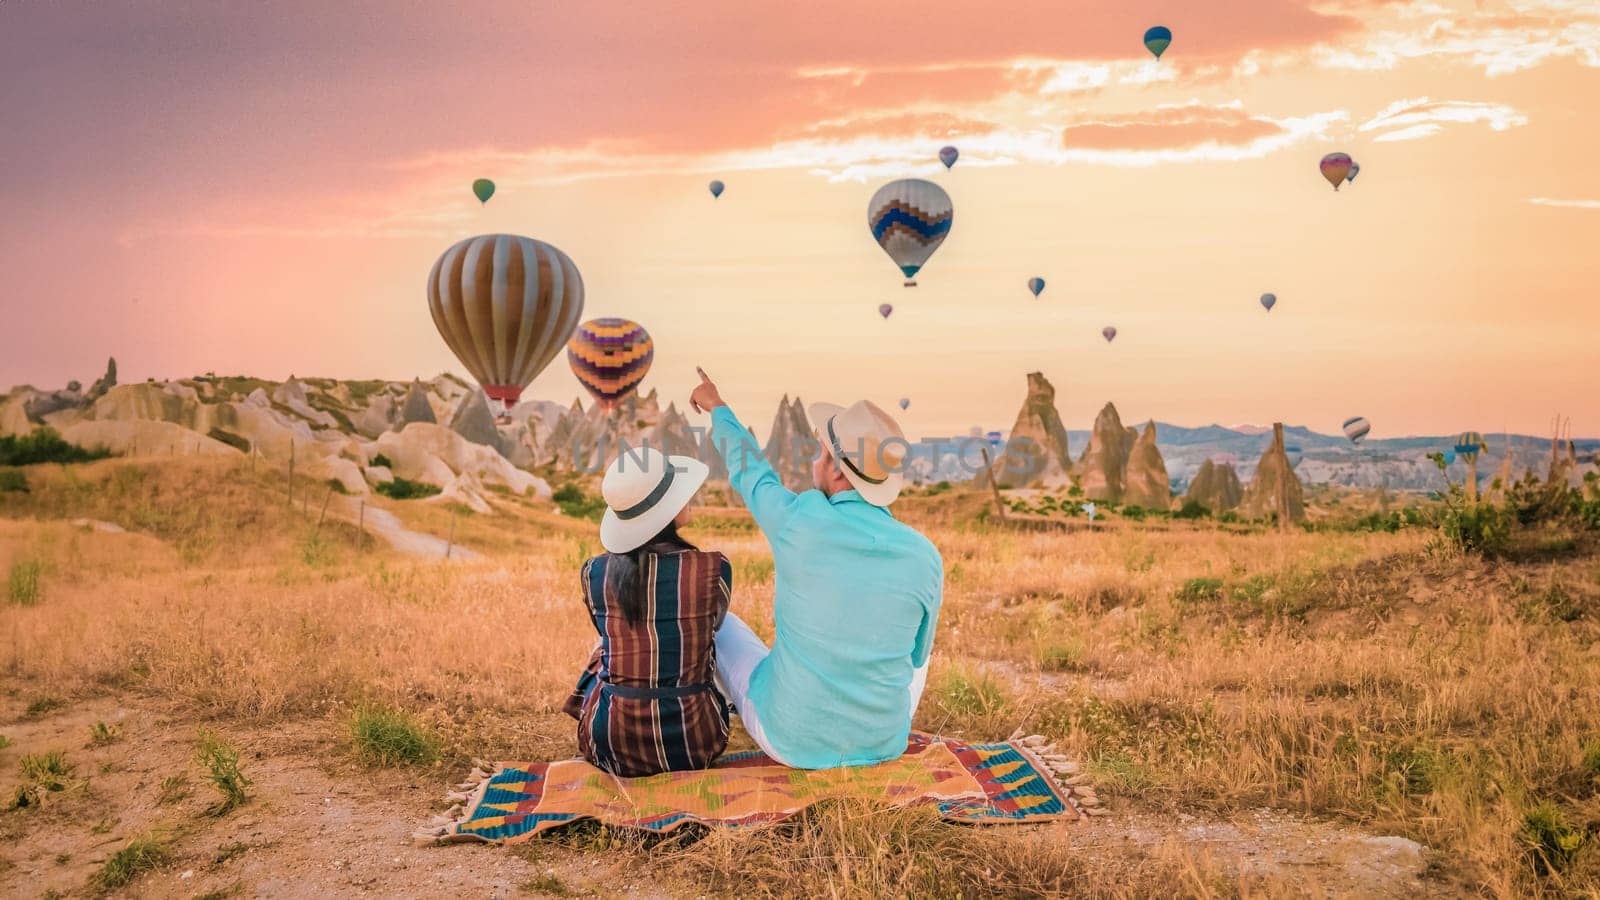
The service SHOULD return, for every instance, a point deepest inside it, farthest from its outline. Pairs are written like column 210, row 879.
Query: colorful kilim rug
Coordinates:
column 1017, row 781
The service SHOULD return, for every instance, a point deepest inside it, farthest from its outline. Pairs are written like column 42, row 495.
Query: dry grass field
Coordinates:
column 229, row 699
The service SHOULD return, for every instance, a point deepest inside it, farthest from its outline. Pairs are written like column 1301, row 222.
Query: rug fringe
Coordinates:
column 1067, row 774
column 445, row 827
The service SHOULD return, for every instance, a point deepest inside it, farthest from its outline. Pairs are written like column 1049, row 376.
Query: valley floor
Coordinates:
column 1264, row 714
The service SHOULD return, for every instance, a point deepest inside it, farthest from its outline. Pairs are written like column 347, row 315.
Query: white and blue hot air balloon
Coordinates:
column 909, row 219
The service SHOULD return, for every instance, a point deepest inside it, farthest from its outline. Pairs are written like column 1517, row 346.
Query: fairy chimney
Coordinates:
column 1275, row 490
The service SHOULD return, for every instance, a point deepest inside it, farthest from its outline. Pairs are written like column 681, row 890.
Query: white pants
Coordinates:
column 739, row 651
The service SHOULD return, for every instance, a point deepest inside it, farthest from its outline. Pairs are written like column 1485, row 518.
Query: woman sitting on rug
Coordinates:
column 646, row 702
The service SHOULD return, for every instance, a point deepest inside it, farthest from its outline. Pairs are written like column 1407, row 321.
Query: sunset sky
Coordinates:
column 261, row 188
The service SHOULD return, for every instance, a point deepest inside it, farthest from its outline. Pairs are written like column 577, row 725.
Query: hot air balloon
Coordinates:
column 905, row 403
column 1468, row 445
column 610, row 357
column 1355, row 169
column 717, row 188
column 948, row 156
column 1356, row 429
column 995, row 439
column 1295, row 454
column 483, row 189
column 1449, row 457
column 909, row 219
column 1156, row 40
column 1109, row 333
column 884, row 309
column 1335, row 167
column 1036, row 285
column 505, row 304
column 1269, row 301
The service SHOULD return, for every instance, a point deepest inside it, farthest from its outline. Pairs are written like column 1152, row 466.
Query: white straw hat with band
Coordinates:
column 868, row 444
column 644, row 490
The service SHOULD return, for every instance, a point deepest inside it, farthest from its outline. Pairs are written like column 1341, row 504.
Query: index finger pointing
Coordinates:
column 704, row 378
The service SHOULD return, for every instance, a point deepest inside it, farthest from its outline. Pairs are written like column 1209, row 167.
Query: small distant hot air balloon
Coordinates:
column 610, row 357
column 1355, row 169
column 884, row 309
column 1109, row 333
column 995, row 439
column 909, row 219
column 948, row 156
column 1468, row 445
column 1449, row 457
column 1036, row 285
column 1156, row 39
column 483, row 189
column 1335, row 167
column 1356, row 429
column 716, row 188
column 1269, row 301
column 905, row 403
column 504, row 304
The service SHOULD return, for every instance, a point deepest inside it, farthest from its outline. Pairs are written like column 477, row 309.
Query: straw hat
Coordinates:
column 869, row 445
column 644, row 490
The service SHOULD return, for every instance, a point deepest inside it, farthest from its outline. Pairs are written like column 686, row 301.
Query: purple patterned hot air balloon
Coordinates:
column 1336, row 167
column 610, row 357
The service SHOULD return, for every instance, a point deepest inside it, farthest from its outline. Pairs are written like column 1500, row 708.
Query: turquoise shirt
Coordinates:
column 856, row 602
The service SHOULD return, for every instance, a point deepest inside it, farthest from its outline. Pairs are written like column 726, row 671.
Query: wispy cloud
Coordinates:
column 1565, row 204
column 1405, row 120
column 1499, row 42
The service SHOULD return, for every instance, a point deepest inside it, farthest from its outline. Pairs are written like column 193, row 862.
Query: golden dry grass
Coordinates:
column 1351, row 677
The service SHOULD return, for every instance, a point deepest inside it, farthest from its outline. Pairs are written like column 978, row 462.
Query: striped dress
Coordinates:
column 646, row 703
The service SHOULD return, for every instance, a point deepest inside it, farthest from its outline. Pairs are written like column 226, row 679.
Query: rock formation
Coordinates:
column 104, row 383
column 416, row 408
column 1275, row 490
column 473, row 421
column 790, row 447
column 1215, row 486
column 435, row 454
column 1145, row 481
column 1102, row 470
column 1036, row 450
column 292, row 396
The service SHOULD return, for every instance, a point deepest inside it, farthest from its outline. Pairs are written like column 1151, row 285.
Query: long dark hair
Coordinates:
column 624, row 571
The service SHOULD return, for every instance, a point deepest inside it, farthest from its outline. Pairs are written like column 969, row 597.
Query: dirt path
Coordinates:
column 388, row 527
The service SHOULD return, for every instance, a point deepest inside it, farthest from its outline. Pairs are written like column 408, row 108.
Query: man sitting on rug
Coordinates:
column 856, row 599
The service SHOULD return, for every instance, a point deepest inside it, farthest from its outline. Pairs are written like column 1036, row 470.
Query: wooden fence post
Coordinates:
column 451, row 544
column 291, row 475
column 361, row 527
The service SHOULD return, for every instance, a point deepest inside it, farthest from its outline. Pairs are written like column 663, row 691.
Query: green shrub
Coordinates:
column 238, row 442
column 1193, row 509
column 101, row 734
column 1551, row 840
column 574, row 502
column 404, row 489
column 221, row 762
column 44, row 445
column 383, row 736
column 143, row 853
column 381, row 461
column 13, row 481
column 1200, row 590
column 23, row 582
column 965, row 693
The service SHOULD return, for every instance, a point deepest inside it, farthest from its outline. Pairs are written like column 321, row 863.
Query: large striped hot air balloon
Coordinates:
column 1468, row 445
column 909, row 219
column 505, row 304
column 1356, row 429
column 1335, row 168
column 610, row 357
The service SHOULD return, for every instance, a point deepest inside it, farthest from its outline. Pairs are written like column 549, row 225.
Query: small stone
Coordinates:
column 188, row 874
